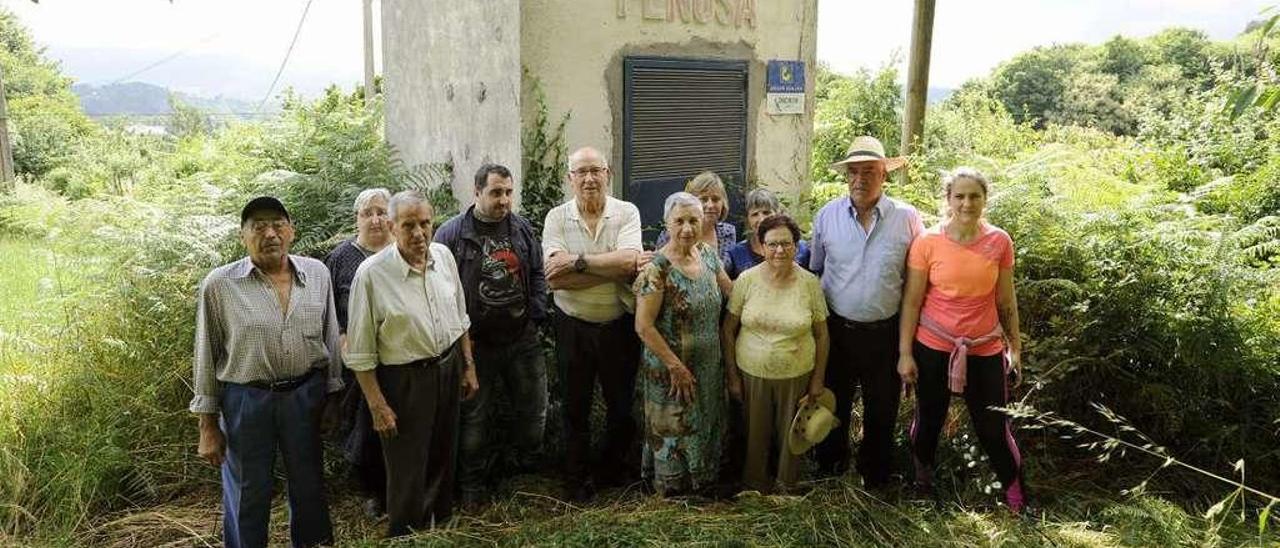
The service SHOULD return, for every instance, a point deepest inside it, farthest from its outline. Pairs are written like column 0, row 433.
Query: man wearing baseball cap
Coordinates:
column 860, row 244
column 266, row 353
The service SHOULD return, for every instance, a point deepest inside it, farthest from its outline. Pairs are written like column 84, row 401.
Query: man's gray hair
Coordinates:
column 584, row 150
column 405, row 198
column 763, row 198
column 679, row 199
column 367, row 195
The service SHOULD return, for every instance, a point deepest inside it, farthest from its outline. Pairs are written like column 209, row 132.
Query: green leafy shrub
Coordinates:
column 864, row 103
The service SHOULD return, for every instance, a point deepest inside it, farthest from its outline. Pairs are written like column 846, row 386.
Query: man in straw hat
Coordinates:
column 859, row 249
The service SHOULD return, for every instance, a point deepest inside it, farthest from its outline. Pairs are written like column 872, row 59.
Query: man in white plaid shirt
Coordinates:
column 266, row 353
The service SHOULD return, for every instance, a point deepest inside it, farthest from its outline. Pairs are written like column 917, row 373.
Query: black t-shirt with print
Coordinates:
column 501, row 308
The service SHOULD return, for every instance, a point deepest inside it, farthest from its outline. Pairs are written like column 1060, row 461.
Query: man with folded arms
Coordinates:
column 266, row 353
column 407, row 341
column 592, row 246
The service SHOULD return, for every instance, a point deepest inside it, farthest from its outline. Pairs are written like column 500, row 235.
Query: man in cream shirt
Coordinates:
column 408, row 343
column 591, row 245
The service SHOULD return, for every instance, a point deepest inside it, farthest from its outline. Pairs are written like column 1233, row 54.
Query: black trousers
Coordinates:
column 985, row 387
column 863, row 355
column 610, row 353
column 420, row 459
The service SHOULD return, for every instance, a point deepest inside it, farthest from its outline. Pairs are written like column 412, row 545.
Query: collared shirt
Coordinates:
column 400, row 315
column 242, row 336
column 618, row 228
column 863, row 270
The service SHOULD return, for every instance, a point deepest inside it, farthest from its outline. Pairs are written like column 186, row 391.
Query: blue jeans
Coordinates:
column 521, row 369
column 256, row 422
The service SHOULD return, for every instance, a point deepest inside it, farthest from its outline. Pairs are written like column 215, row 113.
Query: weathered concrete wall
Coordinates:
column 575, row 49
column 451, row 79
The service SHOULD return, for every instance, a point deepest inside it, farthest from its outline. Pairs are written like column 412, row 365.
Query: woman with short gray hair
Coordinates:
column 678, row 297
column 360, row 443
column 761, row 203
column 717, row 232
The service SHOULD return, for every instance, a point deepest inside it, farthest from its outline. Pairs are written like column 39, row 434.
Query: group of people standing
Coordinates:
column 722, row 340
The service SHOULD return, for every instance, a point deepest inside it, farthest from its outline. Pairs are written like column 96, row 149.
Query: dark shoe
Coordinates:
column 578, row 493
column 612, row 478
column 719, row 491
column 473, row 501
column 797, row 490
column 876, row 485
column 373, row 508
column 832, row 470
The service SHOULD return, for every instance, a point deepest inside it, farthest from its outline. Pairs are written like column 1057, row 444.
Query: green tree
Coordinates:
column 859, row 104
column 1032, row 84
column 46, row 120
column 186, row 120
column 1188, row 48
column 1123, row 57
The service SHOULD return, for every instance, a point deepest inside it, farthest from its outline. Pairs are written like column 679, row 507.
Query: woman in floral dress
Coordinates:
column 679, row 295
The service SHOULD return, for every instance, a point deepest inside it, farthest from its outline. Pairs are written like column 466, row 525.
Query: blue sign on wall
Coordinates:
column 786, row 76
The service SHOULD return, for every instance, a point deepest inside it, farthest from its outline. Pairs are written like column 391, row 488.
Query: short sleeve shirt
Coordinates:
column 619, row 228
column 961, row 294
column 776, row 337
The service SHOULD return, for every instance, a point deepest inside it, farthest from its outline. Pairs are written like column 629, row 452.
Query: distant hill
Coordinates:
column 137, row 98
column 937, row 95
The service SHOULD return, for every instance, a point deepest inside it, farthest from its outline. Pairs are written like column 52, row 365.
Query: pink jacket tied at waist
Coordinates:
column 958, row 364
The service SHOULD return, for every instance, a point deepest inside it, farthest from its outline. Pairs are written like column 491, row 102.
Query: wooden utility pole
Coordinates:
column 6, row 150
column 917, row 78
column 368, row 52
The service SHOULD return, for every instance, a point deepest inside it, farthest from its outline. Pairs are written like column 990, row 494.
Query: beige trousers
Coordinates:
column 770, row 405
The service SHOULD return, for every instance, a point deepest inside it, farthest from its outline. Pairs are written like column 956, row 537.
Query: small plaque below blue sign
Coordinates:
column 786, row 76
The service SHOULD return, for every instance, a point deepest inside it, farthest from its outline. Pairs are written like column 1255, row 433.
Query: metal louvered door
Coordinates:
column 682, row 117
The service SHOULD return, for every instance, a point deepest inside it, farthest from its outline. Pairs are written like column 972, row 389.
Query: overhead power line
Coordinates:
column 166, row 59
column 287, row 53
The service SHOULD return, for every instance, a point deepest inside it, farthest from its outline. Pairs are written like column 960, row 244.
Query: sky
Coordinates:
column 234, row 47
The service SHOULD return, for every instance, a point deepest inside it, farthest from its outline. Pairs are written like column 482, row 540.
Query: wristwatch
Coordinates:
column 580, row 265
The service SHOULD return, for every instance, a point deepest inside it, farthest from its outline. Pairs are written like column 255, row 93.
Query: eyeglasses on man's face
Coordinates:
column 260, row 226
column 589, row 170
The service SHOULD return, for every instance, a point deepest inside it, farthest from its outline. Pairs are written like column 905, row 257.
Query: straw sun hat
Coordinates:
column 868, row 149
column 813, row 421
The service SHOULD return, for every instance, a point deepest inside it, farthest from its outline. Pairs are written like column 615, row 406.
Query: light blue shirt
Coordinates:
column 863, row 270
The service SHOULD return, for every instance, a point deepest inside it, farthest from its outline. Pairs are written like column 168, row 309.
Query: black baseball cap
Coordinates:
column 262, row 203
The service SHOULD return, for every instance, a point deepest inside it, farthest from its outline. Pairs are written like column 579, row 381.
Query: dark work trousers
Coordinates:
column 985, row 387
column 609, row 352
column 256, row 422
column 521, row 369
column 863, row 355
column 420, row 458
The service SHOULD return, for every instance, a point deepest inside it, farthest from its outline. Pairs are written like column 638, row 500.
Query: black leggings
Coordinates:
column 985, row 387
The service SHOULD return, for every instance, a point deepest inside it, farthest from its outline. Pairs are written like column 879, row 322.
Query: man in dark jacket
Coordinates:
column 500, row 264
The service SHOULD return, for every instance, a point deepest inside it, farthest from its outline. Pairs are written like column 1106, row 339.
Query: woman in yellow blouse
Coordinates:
column 776, row 343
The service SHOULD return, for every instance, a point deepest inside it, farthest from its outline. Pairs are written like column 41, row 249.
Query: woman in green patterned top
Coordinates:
column 776, row 346
column 679, row 294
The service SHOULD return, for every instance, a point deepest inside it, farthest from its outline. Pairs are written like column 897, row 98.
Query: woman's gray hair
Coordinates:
column 964, row 172
column 367, row 195
column 763, row 198
column 679, row 199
